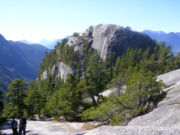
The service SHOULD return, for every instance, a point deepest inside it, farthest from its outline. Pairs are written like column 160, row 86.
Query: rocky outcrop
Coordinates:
column 111, row 38
column 164, row 120
column 105, row 39
column 58, row 70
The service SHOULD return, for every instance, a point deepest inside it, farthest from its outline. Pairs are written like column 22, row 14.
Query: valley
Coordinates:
column 19, row 60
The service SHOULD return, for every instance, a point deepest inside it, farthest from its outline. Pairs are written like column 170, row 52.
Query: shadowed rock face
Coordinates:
column 111, row 38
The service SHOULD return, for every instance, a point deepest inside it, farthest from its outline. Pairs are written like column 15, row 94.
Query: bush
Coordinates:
column 117, row 118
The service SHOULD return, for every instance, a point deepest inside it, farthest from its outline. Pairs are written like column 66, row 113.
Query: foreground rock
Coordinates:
column 48, row 128
column 164, row 120
column 133, row 130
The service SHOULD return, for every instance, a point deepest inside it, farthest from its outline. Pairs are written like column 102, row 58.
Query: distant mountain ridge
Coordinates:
column 47, row 43
column 19, row 60
column 171, row 38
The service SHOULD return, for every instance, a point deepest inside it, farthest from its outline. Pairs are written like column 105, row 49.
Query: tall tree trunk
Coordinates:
column 92, row 97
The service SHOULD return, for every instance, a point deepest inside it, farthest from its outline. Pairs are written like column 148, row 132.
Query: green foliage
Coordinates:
column 33, row 103
column 158, row 61
column 66, row 100
column 16, row 96
column 10, row 110
column 102, row 113
column 95, row 76
column 142, row 90
column 117, row 118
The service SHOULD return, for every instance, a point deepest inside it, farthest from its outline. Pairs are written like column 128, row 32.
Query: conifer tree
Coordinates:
column 17, row 94
column 33, row 102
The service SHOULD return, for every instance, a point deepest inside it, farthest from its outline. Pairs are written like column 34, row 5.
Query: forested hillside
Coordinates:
column 18, row 60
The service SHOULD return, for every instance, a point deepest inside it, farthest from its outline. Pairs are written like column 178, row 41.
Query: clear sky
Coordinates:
column 34, row 20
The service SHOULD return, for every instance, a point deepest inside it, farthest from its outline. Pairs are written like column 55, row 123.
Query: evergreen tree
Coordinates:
column 17, row 94
column 33, row 102
column 95, row 77
column 67, row 100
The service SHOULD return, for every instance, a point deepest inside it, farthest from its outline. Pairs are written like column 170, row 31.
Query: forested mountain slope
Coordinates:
column 18, row 60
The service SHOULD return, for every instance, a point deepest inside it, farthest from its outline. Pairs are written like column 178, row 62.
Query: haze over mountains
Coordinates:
column 19, row 60
column 171, row 38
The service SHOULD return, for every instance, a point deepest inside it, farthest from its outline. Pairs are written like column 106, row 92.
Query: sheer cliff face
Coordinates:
column 111, row 38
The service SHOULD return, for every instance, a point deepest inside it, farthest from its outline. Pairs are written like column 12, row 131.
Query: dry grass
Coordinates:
column 89, row 126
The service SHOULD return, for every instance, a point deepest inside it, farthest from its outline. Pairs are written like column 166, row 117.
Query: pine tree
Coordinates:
column 33, row 102
column 95, row 77
column 17, row 94
column 67, row 100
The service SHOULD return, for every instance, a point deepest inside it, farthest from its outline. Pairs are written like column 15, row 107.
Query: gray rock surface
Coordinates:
column 111, row 38
column 170, row 78
column 133, row 130
column 58, row 70
column 46, row 128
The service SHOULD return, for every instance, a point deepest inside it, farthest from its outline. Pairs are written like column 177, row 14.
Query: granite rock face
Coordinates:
column 58, row 70
column 111, row 38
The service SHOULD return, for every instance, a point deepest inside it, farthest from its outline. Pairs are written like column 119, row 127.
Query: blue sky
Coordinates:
column 34, row 20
